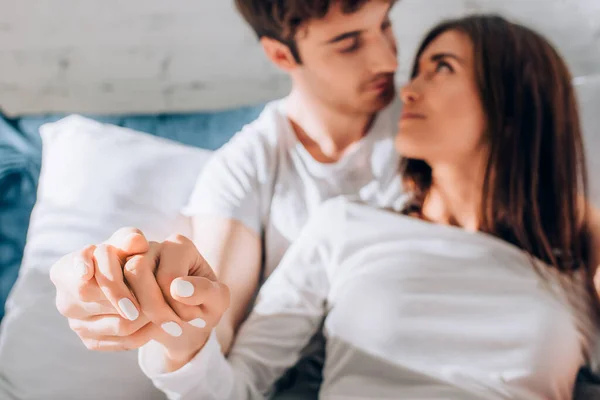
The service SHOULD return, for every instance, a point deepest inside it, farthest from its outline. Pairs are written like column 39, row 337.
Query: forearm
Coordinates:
column 235, row 252
column 226, row 333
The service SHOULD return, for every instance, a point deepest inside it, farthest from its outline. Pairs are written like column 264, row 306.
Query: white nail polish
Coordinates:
column 172, row 329
column 198, row 323
column 128, row 309
column 183, row 288
column 81, row 268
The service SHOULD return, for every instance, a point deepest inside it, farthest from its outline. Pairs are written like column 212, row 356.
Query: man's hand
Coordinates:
column 91, row 293
column 126, row 291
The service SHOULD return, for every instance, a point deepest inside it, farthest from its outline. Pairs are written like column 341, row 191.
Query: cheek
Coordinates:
column 459, row 120
column 454, row 127
column 334, row 75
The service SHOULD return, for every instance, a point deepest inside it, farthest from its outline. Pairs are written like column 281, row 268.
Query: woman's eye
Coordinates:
column 443, row 65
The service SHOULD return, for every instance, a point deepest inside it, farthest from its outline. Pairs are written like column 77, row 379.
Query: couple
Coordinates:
column 471, row 279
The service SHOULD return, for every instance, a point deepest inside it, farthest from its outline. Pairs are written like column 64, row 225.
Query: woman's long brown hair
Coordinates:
column 536, row 181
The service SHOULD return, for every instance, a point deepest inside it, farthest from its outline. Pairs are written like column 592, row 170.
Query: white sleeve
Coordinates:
column 289, row 310
column 235, row 179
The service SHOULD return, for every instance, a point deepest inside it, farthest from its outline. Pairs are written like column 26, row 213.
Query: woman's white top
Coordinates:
column 410, row 310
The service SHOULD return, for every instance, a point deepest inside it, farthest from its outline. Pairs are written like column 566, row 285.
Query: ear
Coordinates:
column 279, row 54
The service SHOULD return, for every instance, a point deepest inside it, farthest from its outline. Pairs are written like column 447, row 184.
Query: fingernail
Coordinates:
column 183, row 288
column 128, row 309
column 81, row 268
column 198, row 323
column 172, row 329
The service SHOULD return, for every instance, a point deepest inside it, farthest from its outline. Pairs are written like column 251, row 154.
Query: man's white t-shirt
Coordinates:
column 266, row 179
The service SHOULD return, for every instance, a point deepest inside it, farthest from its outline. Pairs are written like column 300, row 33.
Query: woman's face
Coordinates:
column 443, row 119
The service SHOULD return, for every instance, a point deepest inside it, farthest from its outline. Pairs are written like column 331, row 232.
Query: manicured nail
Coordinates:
column 183, row 288
column 172, row 329
column 128, row 309
column 81, row 268
column 198, row 323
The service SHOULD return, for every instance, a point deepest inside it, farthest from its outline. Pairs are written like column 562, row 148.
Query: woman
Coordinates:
column 478, row 287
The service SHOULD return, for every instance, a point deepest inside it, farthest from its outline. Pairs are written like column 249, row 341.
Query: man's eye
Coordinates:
column 355, row 45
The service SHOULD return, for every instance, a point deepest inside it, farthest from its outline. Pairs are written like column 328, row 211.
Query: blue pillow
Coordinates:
column 20, row 160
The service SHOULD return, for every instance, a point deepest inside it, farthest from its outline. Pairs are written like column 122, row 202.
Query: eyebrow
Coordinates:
column 354, row 34
column 344, row 36
column 441, row 56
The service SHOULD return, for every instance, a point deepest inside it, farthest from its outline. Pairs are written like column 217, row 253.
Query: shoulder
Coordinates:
column 260, row 135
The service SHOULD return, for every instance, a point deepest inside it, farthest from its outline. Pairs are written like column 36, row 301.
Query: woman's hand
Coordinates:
column 178, row 291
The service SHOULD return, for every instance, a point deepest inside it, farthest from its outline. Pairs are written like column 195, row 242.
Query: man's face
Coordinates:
column 348, row 60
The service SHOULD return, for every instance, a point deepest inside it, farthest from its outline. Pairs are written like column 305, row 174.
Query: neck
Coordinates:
column 455, row 195
column 325, row 131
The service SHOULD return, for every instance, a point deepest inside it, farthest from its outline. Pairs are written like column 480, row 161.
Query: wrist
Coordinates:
column 175, row 360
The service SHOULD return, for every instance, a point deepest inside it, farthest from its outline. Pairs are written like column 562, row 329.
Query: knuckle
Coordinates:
column 63, row 305
column 87, row 248
column 86, row 252
column 77, row 326
column 54, row 272
column 178, row 239
column 93, row 344
column 129, row 230
column 84, row 293
column 135, row 265
column 130, row 343
column 101, row 249
column 125, row 328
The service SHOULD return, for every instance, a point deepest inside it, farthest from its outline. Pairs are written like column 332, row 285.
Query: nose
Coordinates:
column 384, row 56
column 409, row 94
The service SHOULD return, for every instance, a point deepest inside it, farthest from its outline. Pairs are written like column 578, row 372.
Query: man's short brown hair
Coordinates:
column 280, row 19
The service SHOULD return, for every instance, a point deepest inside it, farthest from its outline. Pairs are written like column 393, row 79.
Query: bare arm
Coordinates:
column 234, row 251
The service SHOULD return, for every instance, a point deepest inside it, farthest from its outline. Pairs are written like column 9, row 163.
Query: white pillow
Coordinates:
column 95, row 178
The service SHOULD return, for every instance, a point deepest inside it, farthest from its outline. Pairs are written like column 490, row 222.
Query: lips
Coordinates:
column 382, row 83
column 407, row 115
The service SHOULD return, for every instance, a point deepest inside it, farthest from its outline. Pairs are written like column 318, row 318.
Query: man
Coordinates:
column 333, row 135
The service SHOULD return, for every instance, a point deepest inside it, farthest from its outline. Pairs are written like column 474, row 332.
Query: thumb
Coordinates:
column 196, row 291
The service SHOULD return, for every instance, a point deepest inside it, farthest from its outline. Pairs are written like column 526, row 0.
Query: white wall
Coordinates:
column 121, row 56
column 128, row 56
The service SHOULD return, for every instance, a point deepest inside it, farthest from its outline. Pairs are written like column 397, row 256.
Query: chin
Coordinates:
column 381, row 101
column 406, row 147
